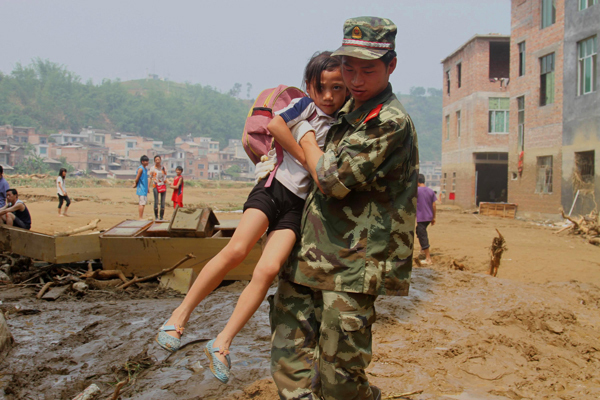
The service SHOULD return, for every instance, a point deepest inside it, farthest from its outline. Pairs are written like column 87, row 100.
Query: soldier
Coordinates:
column 357, row 230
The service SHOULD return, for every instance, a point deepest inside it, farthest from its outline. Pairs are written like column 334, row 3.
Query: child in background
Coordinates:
column 278, row 208
column 158, row 176
column 177, row 187
column 141, row 184
column 61, row 191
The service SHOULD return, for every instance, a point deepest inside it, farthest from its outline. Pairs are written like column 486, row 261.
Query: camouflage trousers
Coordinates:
column 321, row 343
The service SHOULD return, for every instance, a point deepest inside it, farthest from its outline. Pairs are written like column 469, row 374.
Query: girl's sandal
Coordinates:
column 167, row 341
column 218, row 369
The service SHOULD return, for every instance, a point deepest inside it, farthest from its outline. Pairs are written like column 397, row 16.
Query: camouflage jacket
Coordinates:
column 358, row 235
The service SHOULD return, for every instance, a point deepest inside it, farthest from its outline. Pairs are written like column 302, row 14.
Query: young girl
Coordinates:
column 278, row 208
column 61, row 191
column 177, row 186
column 158, row 174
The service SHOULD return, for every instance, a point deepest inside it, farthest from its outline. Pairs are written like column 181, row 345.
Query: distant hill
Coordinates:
column 48, row 97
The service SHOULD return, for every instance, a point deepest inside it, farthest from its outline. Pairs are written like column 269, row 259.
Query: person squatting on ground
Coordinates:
column 61, row 191
column 141, row 185
column 357, row 230
column 177, row 186
column 15, row 212
column 158, row 175
column 426, row 211
column 277, row 207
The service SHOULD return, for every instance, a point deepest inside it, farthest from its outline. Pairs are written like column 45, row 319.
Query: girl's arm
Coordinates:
column 178, row 184
column 284, row 137
column 137, row 178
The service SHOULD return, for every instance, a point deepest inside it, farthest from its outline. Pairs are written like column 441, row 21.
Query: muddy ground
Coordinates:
column 531, row 333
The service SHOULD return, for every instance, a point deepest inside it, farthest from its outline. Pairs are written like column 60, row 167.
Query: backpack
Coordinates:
column 256, row 139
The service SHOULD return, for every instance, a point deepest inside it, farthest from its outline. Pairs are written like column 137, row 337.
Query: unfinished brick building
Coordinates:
column 476, row 121
column 535, row 157
column 551, row 108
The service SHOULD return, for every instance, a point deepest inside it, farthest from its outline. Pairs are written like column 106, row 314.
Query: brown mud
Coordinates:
column 531, row 333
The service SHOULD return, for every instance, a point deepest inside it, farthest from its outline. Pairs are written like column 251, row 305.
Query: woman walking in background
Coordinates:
column 61, row 191
column 158, row 175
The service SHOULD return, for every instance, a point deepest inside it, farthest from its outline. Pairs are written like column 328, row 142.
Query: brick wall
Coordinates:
column 472, row 100
column 543, row 124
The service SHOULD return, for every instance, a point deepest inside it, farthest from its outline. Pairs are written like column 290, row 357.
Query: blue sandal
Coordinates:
column 167, row 341
column 218, row 369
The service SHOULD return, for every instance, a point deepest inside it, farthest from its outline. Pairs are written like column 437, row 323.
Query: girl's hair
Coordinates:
column 319, row 62
column 179, row 168
column 159, row 157
column 60, row 172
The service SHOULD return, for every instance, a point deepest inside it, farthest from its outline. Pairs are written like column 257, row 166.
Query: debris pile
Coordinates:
column 53, row 280
column 588, row 226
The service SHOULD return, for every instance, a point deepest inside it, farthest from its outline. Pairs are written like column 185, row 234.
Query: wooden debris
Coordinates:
column 89, row 227
column 595, row 240
column 417, row 262
column 156, row 275
column 498, row 247
column 44, row 289
column 180, row 280
column 55, row 293
column 588, row 225
column 6, row 339
column 89, row 393
column 101, row 274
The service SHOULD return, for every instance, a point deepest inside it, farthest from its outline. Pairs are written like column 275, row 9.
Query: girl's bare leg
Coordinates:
column 252, row 226
column 277, row 250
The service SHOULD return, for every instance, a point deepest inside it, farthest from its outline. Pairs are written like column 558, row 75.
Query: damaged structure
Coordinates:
column 535, row 143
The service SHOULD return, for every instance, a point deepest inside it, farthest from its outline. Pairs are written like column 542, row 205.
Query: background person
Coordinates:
column 15, row 212
column 141, row 184
column 158, row 176
column 426, row 211
column 177, row 186
column 3, row 187
column 61, row 191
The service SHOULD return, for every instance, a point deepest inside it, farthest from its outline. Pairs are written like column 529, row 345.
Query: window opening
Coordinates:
column 544, row 176
column 547, row 79
column 548, row 13
column 498, row 114
column 586, row 71
column 521, row 58
column 521, row 121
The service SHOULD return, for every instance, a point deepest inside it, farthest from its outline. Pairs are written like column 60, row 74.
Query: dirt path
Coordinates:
column 531, row 333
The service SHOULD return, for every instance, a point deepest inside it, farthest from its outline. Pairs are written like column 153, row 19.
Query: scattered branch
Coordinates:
column 89, row 227
column 156, row 275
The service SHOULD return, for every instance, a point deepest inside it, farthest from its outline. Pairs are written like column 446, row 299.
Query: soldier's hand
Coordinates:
column 265, row 166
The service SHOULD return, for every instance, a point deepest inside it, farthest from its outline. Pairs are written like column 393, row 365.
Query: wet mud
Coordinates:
column 458, row 335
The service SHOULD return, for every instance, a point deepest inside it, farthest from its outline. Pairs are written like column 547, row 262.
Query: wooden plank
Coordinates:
column 4, row 238
column 77, row 248
column 40, row 246
column 55, row 293
column 147, row 255
column 128, row 228
column 180, row 280
column 35, row 245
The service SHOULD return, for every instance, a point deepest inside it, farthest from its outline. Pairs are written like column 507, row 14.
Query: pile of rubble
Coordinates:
column 588, row 226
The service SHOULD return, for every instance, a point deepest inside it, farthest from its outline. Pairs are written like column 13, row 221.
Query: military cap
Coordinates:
column 368, row 38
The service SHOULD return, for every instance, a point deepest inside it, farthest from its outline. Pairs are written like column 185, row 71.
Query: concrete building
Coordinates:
column 476, row 121
column 581, row 107
column 536, row 86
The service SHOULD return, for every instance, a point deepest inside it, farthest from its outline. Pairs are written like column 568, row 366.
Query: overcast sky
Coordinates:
column 219, row 43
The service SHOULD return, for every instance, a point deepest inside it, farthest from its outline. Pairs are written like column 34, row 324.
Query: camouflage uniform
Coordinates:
column 357, row 243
